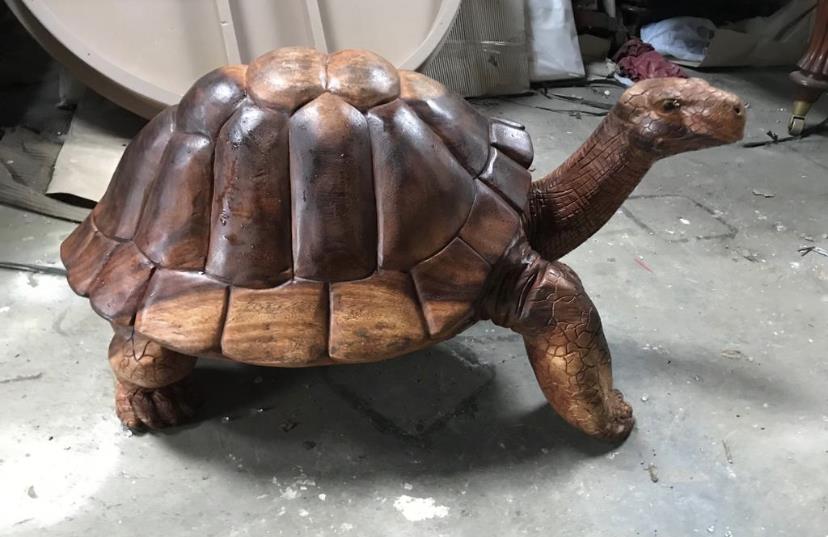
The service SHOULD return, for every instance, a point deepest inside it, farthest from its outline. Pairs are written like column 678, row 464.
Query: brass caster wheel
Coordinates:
column 796, row 125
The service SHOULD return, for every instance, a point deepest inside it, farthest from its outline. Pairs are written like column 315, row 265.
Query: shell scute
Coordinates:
column 491, row 225
column 508, row 178
column 448, row 284
column 375, row 318
column 211, row 100
column 362, row 78
column 512, row 140
column 118, row 212
column 250, row 233
column 423, row 193
column 285, row 325
column 462, row 129
column 287, row 78
column 119, row 287
column 169, row 294
column 84, row 254
column 175, row 222
column 334, row 213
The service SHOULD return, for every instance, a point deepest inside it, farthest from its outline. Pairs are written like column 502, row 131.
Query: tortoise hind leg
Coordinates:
column 152, row 384
column 546, row 303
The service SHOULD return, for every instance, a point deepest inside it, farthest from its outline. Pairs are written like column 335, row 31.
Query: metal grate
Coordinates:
column 485, row 52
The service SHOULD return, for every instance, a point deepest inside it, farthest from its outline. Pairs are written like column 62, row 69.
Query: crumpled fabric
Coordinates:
column 638, row 60
column 685, row 38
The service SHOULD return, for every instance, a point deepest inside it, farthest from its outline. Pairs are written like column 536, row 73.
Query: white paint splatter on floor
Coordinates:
column 417, row 509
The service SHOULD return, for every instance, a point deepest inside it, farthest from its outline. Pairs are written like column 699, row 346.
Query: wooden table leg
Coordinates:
column 812, row 77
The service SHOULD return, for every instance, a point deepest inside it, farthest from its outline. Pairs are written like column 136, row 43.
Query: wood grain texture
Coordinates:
column 653, row 119
column 118, row 289
column 423, row 194
column 448, row 284
column 72, row 246
column 84, row 254
column 183, row 310
column 567, row 206
column 284, row 326
column 334, row 212
column 250, row 236
column 287, row 78
column 362, row 78
column 119, row 210
column 508, row 178
column 312, row 192
column 464, row 131
column 815, row 60
column 142, row 362
column 211, row 100
column 546, row 303
column 375, row 318
column 515, row 142
column 151, row 386
column 491, row 225
column 175, row 224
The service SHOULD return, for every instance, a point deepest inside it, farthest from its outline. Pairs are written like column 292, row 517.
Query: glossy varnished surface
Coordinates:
column 375, row 318
column 364, row 80
column 119, row 210
column 175, row 224
column 490, row 223
column 303, row 209
column 335, row 217
column 512, row 140
column 507, row 177
column 119, row 287
column 84, row 253
column 183, row 311
column 211, row 100
column 459, row 126
column 448, row 285
column 287, row 78
column 286, row 325
column 423, row 194
column 654, row 119
column 250, row 235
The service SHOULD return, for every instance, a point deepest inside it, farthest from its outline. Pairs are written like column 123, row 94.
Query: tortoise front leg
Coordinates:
column 565, row 342
column 571, row 358
column 152, row 384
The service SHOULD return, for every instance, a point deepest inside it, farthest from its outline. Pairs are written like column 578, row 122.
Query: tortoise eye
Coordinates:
column 669, row 105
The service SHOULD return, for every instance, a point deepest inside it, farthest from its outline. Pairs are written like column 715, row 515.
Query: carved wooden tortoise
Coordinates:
column 310, row 209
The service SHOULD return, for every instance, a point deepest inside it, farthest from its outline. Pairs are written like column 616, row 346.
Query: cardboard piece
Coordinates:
column 780, row 39
column 97, row 137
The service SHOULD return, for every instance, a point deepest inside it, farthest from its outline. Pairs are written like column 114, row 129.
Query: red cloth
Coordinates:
column 638, row 60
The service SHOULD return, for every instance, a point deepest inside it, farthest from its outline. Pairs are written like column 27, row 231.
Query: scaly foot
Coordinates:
column 620, row 420
column 140, row 408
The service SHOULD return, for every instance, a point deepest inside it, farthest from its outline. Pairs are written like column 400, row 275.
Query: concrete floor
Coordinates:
column 717, row 325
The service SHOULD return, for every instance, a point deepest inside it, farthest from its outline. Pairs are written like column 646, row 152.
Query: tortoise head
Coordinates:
column 673, row 115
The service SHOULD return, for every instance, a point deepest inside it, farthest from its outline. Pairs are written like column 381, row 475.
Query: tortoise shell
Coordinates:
column 304, row 209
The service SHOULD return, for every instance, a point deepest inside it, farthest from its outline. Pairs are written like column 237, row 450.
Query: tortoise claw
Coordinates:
column 141, row 408
column 620, row 420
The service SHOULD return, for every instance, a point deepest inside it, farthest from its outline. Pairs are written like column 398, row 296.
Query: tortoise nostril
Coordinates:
column 738, row 109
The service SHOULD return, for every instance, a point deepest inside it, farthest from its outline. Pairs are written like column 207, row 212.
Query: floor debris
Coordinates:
column 653, row 471
column 805, row 250
column 643, row 264
column 21, row 378
column 728, row 455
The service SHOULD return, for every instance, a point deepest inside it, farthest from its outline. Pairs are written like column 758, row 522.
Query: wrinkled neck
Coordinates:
column 570, row 204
